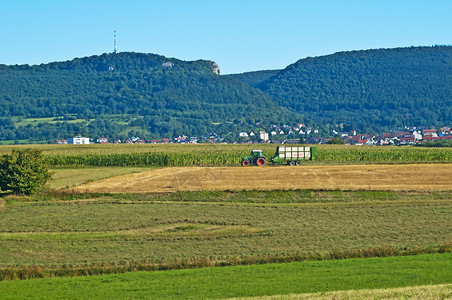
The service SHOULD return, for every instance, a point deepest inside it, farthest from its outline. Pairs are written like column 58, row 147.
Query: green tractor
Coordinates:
column 292, row 156
column 256, row 159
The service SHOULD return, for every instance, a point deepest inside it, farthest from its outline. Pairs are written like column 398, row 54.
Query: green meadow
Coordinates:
column 248, row 281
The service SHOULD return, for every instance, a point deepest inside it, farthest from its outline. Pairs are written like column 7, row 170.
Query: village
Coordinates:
column 288, row 134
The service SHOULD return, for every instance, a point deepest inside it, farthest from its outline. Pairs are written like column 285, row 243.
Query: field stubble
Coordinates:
column 407, row 177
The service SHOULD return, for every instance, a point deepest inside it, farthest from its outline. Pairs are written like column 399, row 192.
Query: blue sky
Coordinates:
column 240, row 36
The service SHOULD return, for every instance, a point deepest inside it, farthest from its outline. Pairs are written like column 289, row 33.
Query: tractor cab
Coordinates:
column 256, row 153
column 256, row 159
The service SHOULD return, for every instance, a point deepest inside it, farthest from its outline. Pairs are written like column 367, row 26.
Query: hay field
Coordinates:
column 406, row 177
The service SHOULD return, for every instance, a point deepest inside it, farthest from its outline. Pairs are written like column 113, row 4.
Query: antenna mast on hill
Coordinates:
column 116, row 48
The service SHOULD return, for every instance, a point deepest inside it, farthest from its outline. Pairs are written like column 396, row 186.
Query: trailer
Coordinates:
column 292, row 156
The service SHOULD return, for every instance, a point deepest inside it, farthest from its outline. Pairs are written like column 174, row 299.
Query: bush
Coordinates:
column 23, row 171
column 336, row 141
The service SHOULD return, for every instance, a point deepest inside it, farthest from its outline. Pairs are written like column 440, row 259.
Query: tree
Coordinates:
column 23, row 171
column 336, row 140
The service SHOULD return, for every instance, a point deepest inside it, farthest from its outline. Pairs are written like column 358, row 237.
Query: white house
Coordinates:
column 263, row 136
column 417, row 135
column 78, row 140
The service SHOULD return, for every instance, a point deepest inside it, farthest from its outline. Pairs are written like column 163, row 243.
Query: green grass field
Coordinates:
column 247, row 281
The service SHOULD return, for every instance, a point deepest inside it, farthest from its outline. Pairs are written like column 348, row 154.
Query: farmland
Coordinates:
column 198, row 213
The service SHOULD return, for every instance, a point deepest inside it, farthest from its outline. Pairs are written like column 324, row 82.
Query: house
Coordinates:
column 78, row 140
column 429, row 132
column 102, row 140
column 417, row 135
column 135, row 140
column 407, row 140
column 263, row 136
column 165, row 141
column 243, row 134
column 445, row 130
column 429, row 138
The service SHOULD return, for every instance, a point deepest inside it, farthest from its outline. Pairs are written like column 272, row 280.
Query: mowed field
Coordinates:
column 403, row 177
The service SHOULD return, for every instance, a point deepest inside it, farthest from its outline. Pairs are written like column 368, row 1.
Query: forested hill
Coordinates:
column 255, row 78
column 386, row 88
column 168, row 96
column 124, row 94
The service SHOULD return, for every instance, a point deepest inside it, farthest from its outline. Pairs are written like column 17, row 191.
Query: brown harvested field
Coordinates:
column 403, row 177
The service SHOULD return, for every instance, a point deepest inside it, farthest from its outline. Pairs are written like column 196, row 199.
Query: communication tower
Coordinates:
column 116, row 48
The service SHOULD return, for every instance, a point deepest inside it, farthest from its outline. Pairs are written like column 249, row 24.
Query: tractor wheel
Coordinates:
column 260, row 161
column 298, row 163
column 245, row 162
column 292, row 163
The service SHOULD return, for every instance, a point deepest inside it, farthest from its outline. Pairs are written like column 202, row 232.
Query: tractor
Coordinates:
column 256, row 159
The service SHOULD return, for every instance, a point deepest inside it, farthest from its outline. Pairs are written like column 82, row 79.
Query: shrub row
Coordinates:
column 37, row 271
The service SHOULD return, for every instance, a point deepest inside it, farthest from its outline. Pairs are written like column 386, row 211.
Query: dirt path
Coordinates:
column 420, row 177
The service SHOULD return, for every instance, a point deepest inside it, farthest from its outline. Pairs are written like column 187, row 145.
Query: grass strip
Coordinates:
column 244, row 281
column 299, row 196
column 38, row 271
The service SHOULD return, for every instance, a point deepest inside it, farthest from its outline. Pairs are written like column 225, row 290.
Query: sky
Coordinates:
column 241, row 36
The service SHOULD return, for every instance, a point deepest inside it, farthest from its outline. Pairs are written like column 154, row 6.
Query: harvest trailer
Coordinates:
column 294, row 155
column 284, row 155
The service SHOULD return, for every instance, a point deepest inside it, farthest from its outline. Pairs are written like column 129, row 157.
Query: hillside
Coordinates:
column 373, row 89
column 151, row 96
column 155, row 95
column 255, row 78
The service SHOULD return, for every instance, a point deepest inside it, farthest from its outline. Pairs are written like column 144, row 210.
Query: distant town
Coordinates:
column 288, row 134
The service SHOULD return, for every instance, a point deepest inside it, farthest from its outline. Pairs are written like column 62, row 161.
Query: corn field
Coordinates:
column 230, row 156
column 381, row 155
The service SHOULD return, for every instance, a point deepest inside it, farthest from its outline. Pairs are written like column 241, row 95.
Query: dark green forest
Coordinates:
column 165, row 96
column 254, row 79
column 151, row 96
column 369, row 90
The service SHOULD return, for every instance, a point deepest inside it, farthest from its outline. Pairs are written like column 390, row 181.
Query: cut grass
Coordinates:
column 162, row 232
column 268, row 229
column 245, row 281
column 69, row 177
